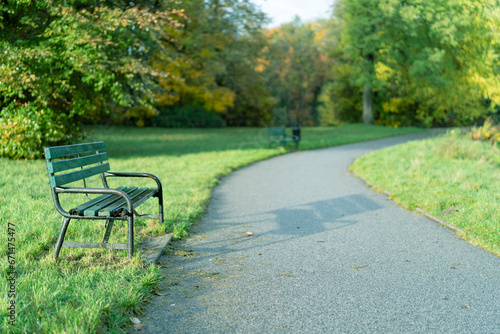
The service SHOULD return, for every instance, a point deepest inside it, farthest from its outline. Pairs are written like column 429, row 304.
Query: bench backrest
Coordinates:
column 69, row 157
column 276, row 132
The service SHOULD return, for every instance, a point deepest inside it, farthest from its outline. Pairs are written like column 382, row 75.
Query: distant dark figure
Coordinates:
column 296, row 131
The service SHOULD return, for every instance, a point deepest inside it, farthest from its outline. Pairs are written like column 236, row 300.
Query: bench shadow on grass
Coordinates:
column 294, row 222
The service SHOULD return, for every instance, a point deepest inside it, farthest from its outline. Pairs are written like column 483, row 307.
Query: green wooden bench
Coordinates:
column 72, row 163
column 278, row 135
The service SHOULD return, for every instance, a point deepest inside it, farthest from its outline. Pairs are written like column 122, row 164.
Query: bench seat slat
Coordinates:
column 144, row 197
column 94, row 209
column 59, row 180
column 69, row 150
column 137, row 200
column 62, row 165
column 78, row 211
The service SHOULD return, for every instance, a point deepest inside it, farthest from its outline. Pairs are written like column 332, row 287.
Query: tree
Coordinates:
column 429, row 62
column 443, row 55
column 215, row 67
column 341, row 101
column 362, row 39
column 296, row 65
column 63, row 61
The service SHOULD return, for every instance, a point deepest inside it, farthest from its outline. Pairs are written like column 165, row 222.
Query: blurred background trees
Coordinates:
column 296, row 66
column 432, row 63
column 216, row 54
column 211, row 63
column 64, row 63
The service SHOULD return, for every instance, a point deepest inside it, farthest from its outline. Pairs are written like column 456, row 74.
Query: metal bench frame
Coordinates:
column 278, row 135
column 95, row 155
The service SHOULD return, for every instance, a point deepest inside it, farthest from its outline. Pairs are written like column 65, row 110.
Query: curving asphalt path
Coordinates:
column 327, row 255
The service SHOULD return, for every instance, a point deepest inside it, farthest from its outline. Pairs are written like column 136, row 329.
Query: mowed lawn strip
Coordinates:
column 452, row 177
column 87, row 290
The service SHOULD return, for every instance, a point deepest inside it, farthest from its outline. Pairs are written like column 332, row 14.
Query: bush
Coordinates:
column 187, row 117
column 489, row 131
column 25, row 130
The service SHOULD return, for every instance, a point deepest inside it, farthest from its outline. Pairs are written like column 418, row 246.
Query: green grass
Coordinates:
column 452, row 177
column 89, row 291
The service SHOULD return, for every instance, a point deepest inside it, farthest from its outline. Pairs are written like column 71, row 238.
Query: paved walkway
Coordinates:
column 327, row 255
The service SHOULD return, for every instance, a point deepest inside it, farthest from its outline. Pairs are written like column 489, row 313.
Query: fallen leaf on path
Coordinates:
column 161, row 294
column 249, row 233
column 360, row 267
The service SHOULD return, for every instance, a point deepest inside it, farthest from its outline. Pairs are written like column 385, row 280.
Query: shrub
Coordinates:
column 489, row 131
column 25, row 130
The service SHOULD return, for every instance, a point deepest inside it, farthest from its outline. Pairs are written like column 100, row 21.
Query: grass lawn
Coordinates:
column 452, row 177
column 88, row 291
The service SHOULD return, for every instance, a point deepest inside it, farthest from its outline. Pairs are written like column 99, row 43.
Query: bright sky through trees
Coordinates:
column 283, row 11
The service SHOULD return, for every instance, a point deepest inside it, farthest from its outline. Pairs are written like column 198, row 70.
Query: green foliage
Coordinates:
column 24, row 130
column 188, row 117
column 488, row 131
column 340, row 100
column 296, row 65
column 214, row 65
column 428, row 64
column 443, row 59
column 339, row 103
column 253, row 104
column 76, row 60
column 362, row 37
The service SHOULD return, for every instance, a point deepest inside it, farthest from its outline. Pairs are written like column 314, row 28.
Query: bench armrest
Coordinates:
column 147, row 175
column 98, row 191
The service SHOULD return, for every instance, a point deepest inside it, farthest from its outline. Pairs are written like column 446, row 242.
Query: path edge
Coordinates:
column 152, row 248
column 427, row 214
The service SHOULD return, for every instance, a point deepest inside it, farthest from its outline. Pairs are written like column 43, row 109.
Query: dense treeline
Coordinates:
column 422, row 62
column 210, row 63
column 64, row 62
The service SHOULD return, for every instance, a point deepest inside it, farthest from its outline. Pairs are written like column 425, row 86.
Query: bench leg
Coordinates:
column 107, row 234
column 130, row 245
column 60, row 240
column 160, row 208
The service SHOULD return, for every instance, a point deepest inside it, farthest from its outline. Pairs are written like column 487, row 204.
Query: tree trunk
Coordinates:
column 367, row 104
